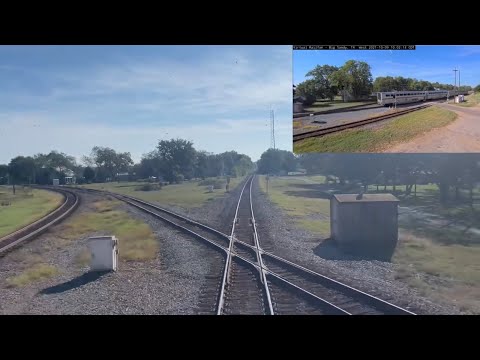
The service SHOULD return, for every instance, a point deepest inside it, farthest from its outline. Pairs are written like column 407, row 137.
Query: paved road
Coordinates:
column 463, row 135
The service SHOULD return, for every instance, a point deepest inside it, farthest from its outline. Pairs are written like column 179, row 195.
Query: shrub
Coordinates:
column 149, row 187
column 216, row 183
column 179, row 178
column 309, row 100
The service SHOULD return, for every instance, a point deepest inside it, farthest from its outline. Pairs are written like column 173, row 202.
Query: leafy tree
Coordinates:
column 354, row 77
column 176, row 156
column 89, row 174
column 275, row 161
column 56, row 160
column 201, row 165
column 214, row 165
column 308, row 89
column 477, row 88
column 53, row 165
column 3, row 174
column 108, row 162
column 21, row 170
column 322, row 76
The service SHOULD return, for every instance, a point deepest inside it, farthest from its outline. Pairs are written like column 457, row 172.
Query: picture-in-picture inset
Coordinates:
column 421, row 99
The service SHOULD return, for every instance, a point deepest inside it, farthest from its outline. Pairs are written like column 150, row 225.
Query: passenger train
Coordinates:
column 402, row 97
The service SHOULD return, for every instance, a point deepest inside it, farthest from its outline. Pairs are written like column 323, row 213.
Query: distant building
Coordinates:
column 125, row 176
column 70, row 180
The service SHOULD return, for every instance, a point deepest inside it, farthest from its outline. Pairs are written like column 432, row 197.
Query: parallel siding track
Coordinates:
column 29, row 232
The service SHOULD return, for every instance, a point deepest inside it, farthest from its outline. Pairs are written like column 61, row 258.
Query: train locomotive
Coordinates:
column 403, row 97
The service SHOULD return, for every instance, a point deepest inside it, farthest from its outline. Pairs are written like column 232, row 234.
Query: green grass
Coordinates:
column 297, row 124
column 284, row 192
column 455, row 266
column 35, row 273
column 317, row 178
column 336, row 104
column 187, row 195
column 136, row 239
column 402, row 129
column 470, row 100
column 26, row 207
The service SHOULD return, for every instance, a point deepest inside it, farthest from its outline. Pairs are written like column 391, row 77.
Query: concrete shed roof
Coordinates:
column 352, row 198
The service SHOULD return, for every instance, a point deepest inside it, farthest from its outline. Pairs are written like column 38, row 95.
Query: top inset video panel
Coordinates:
column 399, row 98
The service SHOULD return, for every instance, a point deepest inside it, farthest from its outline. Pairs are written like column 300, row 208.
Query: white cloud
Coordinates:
column 22, row 135
column 231, row 81
column 228, row 94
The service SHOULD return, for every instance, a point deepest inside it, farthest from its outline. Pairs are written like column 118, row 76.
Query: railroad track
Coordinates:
column 249, row 280
column 244, row 288
column 29, row 232
column 335, row 111
column 337, row 128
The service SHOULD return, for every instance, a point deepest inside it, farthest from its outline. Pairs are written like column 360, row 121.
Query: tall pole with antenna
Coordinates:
column 455, row 70
column 272, row 129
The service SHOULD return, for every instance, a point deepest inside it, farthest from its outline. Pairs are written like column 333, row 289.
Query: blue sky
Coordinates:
column 71, row 98
column 427, row 62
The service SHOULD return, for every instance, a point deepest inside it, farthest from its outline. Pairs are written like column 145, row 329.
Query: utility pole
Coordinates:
column 455, row 71
column 272, row 129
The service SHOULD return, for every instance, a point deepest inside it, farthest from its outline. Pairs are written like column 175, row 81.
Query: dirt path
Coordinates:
column 463, row 135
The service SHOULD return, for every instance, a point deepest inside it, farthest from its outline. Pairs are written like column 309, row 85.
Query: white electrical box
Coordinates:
column 104, row 250
column 56, row 182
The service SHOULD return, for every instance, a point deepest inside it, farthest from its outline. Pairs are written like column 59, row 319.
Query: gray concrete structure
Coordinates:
column 365, row 225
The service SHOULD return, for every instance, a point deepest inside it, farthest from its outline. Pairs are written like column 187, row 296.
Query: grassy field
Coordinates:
column 441, row 262
column 453, row 269
column 27, row 206
column 320, row 106
column 309, row 213
column 402, row 129
column 136, row 239
column 470, row 100
column 32, row 274
column 189, row 194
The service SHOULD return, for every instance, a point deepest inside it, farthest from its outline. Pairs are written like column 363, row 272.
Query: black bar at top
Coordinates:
column 353, row 47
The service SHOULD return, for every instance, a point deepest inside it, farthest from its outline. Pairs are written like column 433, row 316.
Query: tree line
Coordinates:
column 389, row 83
column 353, row 80
column 171, row 161
column 177, row 160
column 450, row 172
